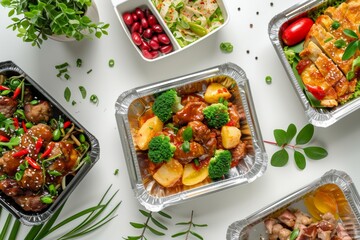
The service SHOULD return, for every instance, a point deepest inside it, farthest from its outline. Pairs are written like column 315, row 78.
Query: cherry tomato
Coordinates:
column 297, row 31
column 166, row 49
column 136, row 38
column 163, row 38
column 152, row 20
column 128, row 20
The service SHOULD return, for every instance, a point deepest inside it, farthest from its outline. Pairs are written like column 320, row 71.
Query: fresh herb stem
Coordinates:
column 5, row 227
column 189, row 230
column 14, row 230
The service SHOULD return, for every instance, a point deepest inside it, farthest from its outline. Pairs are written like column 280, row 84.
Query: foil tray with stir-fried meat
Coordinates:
column 39, row 148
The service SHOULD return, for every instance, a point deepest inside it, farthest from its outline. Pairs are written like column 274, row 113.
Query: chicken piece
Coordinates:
column 340, row 14
column 30, row 203
column 196, row 150
column 326, row 67
column 7, row 106
column 40, row 112
column 41, row 130
column 312, row 78
column 67, row 154
column 239, row 152
column 192, row 111
column 275, row 231
column 288, row 218
column 326, row 22
column 324, row 235
column 308, row 233
column 269, row 224
column 301, row 219
column 325, row 41
column 10, row 187
column 8, row 163
column 342, row 233
column 329, row 217
column 284, row 234
column 32, row 179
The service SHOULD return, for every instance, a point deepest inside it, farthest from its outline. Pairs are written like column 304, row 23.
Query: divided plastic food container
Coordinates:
column 34, row 218
column 131, row 105
column 320, row 117
column 123, row 6
column 336, row 183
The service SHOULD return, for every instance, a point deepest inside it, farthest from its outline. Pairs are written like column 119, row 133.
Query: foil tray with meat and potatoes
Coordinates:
column 190, row 136
column 44, row 151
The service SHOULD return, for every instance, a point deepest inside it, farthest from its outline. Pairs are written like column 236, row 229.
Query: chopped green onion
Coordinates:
column 226, row 47
column 78, row 62
column 328, row 40
column 3, row 177
column 335, row 25
column 46, row 199
column 67, row 76
column 89, row 71
column 19, row 175
column 73, row 102
column 268, row 79
column 82, row 91
column 111, row 63
column 116, row 172
column 94, row 99
column 54, row 173
column 52, row 190
column 186, row 146
column 62, row 65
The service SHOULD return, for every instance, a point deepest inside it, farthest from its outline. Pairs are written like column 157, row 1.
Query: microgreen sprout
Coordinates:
column 283, row 139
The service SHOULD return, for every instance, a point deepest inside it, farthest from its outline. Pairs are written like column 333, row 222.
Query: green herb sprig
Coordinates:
column 146, row 226
column 189, row 230
column 6, row 123
column 353, row 46
column 35, row 21
column 90, row 223
column 283, row 139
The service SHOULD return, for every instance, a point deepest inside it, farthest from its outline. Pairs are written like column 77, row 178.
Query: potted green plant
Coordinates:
column 37, row 20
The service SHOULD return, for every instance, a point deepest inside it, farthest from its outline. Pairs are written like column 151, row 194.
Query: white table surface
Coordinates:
column 276, row 105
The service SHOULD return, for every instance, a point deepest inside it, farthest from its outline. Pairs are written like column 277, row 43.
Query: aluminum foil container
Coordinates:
column 253, row 226
column 320, row 117
column 9, row 68
column 131, row 104
column 122, row 6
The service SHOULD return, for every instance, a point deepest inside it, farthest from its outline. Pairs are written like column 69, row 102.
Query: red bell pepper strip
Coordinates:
column 32, row 163
column 47, row 151
column 16, row 123
column 38, row 145
column 23, row 124
column 20, row 153
column 67, row 124
column 4, row 139
column 316, row 91
column 2, row 88
column 230, row 123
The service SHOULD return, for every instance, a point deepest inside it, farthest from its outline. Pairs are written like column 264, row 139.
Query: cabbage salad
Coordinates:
column 189, row 20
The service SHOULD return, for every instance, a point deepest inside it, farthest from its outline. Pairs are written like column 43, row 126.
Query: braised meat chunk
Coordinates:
column 38, row 113
column 7, row 106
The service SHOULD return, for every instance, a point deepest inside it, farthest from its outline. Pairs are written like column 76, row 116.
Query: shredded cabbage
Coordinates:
column 177, row 14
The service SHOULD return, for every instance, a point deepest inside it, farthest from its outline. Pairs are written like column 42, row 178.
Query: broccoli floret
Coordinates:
column 219, row 164
column 161, row 149
column 216, row 115
column 166, row 104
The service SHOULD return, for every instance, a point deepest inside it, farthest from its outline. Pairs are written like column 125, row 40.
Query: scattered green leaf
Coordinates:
column 82, row 91
column 191, row 225
column 67, row 94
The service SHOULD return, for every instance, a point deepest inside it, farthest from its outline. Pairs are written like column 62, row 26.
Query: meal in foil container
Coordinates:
column 323, row 49
column 193, row 135
column 324, row 206
column 40, row 149
column 189, row 20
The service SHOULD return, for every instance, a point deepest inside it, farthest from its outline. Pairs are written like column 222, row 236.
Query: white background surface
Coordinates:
column 276, row 105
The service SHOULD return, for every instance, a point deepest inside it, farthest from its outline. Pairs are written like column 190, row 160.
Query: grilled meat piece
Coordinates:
column 30, row 202
column 196, row 150
column 192, row 111
column 10, row 187
column 38, row 113
column 8, row 163
column 7, row 106
column 32, row 179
